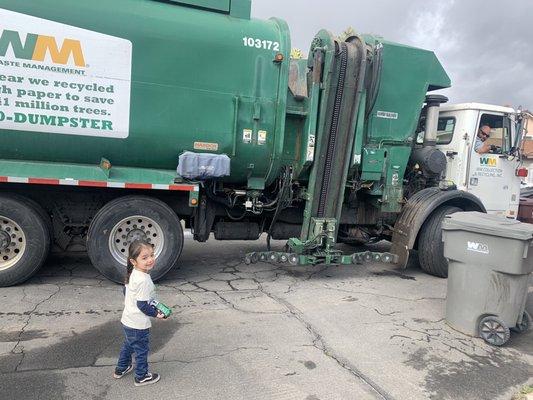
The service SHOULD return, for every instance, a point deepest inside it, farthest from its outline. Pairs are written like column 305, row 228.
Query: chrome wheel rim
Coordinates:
column 12, row 243
column 136, row 227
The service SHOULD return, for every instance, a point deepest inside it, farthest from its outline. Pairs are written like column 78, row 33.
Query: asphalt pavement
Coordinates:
column 250, row 332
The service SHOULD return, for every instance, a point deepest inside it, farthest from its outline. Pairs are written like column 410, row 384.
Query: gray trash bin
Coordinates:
column 490, row 261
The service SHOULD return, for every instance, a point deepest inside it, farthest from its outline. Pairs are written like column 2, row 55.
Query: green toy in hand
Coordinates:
column 162, row 308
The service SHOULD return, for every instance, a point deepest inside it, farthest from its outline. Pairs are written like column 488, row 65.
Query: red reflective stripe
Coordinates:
column 43, row 181
column 188, row 188
column 92, row 183
column 138, row 185
column 49, row 181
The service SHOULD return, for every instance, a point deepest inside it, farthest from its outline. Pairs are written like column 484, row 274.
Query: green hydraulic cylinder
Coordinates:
column 342, row 81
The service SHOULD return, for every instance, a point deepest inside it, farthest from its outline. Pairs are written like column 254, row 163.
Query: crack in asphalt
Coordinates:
column 320, row 344
column 53, row 313
column 444, row 337
column 326, row 286
column 21, row 333
column 233, row 306
column 197, row 359
column 162, row 361
column 100, row 282
column 387, row 314
column 317, row 342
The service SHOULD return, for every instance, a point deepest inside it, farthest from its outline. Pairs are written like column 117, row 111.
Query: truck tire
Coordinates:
column 126, row 219
column 24, row 238
column 44, row 215
column 430, row 246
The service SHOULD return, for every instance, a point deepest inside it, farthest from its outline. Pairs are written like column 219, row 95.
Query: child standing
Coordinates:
column 138, row 291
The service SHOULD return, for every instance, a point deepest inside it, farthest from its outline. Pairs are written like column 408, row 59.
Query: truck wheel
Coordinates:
column 130, row 218
column 24, row 239
column 430, row 246
column 44, row 215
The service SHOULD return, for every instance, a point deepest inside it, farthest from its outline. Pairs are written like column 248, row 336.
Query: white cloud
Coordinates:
column 430, row 27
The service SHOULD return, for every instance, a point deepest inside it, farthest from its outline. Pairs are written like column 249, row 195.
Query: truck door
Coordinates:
column 491, row 176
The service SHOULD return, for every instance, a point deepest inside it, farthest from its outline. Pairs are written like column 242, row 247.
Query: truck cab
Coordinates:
column 492, row 177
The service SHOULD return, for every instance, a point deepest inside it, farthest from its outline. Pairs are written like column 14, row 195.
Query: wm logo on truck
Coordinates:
column 36, row 47
column 488, row 161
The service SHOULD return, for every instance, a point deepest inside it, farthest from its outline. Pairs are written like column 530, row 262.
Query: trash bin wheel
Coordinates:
column 494, row 331
column 524, row 325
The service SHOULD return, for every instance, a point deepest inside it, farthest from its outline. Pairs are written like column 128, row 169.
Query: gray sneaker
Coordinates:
column 148, row 379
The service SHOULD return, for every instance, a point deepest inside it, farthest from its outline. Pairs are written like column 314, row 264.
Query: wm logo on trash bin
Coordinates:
column 477, row 247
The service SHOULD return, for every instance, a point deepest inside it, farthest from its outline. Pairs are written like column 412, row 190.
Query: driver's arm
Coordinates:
column 483, row 149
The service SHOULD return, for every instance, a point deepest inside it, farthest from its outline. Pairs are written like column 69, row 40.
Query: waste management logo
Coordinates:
column 61, row 79
column 36, row 47
column 488, row 161
column 477, row 247
column 488, row 167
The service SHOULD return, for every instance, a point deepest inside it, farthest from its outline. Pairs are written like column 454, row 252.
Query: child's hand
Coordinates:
column 160, row 315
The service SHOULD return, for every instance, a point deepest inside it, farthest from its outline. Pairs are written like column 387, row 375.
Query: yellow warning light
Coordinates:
column 194, row 201
column 296, row 54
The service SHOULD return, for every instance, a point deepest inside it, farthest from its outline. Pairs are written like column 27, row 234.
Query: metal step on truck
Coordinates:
column 120, row 120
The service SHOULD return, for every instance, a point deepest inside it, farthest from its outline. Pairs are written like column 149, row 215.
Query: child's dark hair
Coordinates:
column 133, row 252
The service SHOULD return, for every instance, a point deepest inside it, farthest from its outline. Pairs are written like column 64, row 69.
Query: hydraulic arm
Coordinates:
column 341, row 72
column 338, row 75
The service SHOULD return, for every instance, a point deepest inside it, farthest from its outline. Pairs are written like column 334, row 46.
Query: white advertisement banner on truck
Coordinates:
column 58, row 78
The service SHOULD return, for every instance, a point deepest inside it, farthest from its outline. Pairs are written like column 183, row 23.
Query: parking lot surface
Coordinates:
column 257, row 331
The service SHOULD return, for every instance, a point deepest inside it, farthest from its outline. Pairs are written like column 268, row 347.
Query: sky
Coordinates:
column 486, row 47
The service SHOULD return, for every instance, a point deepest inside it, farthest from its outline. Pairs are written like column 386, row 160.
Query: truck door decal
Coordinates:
column 488, row 167
column 61, row 79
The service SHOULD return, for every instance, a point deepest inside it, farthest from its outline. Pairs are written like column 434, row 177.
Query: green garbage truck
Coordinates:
column 124, row 119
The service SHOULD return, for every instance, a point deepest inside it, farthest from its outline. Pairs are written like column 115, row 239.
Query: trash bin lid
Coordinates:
column 488, row 224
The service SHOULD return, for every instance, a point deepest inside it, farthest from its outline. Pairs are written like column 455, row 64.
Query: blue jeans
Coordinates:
column 136, row 341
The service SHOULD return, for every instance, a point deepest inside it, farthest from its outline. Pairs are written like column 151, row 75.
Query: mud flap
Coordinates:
column 417, row 209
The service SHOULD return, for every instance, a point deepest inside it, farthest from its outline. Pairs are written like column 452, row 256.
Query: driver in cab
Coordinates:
column 481, row 146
